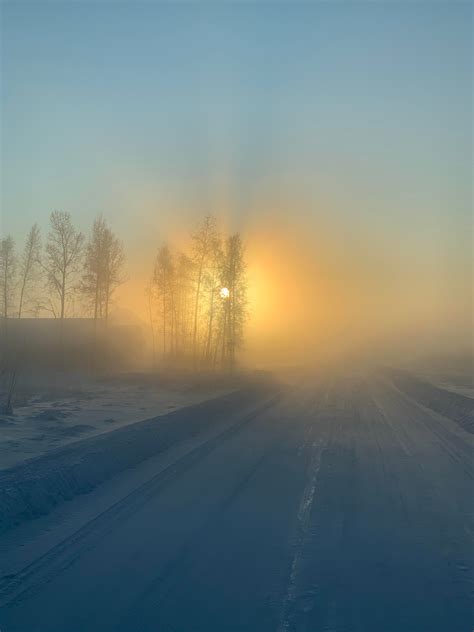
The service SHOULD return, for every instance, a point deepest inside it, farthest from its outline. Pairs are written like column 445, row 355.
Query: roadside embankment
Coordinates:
column 455, row 406
column 36, row 486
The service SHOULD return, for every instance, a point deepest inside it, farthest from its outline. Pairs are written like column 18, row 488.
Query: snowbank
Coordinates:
column 457, row 407
column 48, row 418
column 35, row 486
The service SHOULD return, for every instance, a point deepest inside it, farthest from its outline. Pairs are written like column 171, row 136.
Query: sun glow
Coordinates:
column 224, row 293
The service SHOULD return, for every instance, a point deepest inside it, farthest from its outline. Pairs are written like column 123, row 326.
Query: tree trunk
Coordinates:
column 207, row 354
column 63, row 294
column 5, row 293
column 224, row 337
column 107, row 298
column 164, row 325
column 96, row 298
column 196, row 309
column 150, row 311
column 20, row 305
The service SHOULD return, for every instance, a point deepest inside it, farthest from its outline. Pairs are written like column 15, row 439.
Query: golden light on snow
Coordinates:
column 224, row 293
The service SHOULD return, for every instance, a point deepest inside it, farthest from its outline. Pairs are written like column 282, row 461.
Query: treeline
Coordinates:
column 67, row 275
column 198, row 299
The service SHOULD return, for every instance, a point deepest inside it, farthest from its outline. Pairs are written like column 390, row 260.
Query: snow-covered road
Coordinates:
column 336, row 506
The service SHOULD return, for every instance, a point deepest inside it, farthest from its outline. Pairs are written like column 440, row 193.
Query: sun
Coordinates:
column 224, row 293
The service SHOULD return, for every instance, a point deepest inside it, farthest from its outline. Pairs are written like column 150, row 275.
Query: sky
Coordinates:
column 342, row 127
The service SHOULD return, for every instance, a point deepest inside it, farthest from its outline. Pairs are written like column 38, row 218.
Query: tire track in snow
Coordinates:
column 45, row 568
column 303, row 517
column 432, row 423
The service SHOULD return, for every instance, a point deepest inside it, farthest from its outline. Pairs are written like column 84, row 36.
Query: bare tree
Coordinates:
column 203, row 245
column 183, row 302
column 163, row 283
column 8, row 264
column 63, row 257
column 29, row 267
column 149, row 300
column 103, row 268
column 113, row 263
column 212, row 287
column 234, row 312
column 93, row 273
column 202, row 298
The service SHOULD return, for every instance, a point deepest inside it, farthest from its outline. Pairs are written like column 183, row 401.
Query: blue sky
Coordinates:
column 146, row 111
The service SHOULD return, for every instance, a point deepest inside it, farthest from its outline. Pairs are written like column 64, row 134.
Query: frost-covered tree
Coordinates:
column 234, row 300
column 183, row 302
column 204, row 240
column 62, row 260
column 113, row 263
column 103, row 268
column 212, row 288
column 92, row 276
column 200, row 301
column 163, row 281
column 29, row 270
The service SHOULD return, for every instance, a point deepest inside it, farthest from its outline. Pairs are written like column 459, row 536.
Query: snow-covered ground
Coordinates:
column 44, row 423
column 342, row 505
column 430, row 391
column 458, row 383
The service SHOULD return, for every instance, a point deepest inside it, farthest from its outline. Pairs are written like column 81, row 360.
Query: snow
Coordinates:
column 450, row 402
column 460, row 383
column 34, row 487
column 45, row 423
column 341, row 504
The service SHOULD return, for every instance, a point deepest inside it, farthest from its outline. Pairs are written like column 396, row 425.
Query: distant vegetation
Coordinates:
column 197, row 300
column 67, row 276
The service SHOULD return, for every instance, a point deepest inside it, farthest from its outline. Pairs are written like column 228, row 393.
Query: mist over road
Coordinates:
column 338, row 505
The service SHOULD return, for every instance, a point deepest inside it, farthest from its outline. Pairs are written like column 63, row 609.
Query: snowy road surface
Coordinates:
column 341, row 506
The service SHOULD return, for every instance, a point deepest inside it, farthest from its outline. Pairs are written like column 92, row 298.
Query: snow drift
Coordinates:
column 34, row 487
column 457, row 407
